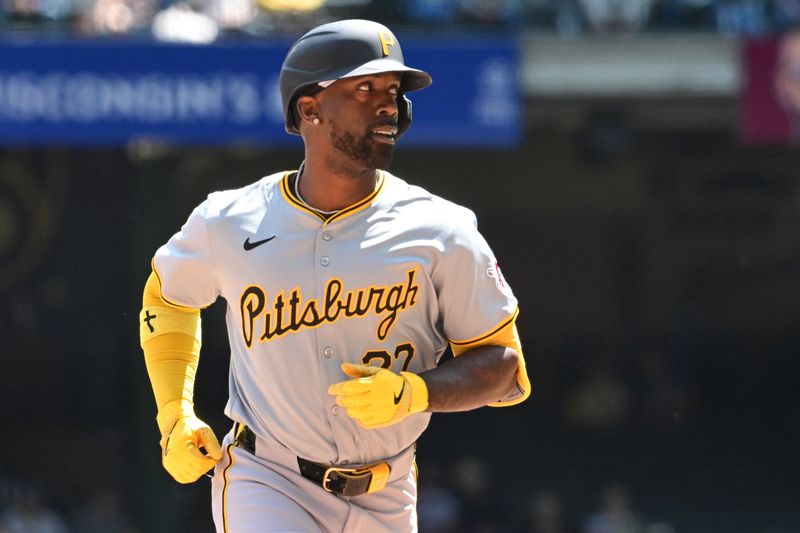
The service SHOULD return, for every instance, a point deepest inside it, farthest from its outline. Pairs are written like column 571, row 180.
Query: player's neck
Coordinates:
column 330, row 189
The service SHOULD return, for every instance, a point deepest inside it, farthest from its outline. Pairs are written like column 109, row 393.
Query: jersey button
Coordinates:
column 327, row 236
column 325, row 260
column 327, row 352
column 335, row 410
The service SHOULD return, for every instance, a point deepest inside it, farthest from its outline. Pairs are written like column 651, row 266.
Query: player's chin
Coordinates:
column 381, row 155
column 382, row 162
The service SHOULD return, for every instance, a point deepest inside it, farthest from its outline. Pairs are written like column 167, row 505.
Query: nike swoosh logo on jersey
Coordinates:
column 250, row 245
column 398, row 396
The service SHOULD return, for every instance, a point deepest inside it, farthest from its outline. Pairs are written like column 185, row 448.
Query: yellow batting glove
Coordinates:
column 377, row 397
column 184, row 434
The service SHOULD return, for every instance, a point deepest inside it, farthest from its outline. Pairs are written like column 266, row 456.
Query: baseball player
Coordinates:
column 344, row 285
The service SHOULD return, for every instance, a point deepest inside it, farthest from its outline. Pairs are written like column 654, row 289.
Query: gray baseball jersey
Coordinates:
column 388, row 281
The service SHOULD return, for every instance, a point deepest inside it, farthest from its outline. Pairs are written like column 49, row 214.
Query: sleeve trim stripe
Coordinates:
column 479, row 338
column 161, row 292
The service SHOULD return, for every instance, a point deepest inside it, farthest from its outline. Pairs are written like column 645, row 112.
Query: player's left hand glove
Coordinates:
column 378, row 397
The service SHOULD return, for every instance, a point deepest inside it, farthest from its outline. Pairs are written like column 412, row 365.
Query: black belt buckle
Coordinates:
column 356, row 481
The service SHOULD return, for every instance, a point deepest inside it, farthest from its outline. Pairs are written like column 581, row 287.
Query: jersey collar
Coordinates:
column 294, row 201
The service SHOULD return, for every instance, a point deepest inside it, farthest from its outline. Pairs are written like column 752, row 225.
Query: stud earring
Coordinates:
column 315, row 121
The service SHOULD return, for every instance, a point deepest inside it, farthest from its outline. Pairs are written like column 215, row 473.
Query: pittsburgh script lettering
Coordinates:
column 292, row 314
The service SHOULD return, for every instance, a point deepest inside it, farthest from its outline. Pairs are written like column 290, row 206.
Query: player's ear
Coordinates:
column 307, row 110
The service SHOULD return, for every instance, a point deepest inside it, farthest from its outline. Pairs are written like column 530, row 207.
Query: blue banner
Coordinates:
column 89, row 93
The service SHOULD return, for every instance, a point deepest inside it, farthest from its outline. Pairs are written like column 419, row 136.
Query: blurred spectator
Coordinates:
column 32, row 13
column 677, row 15
column 785, row 13
column 601, row 400
column 185, row 22
column 787, row 79
column 103, row 513
column 287, row 16
column 438, row 506
column 433, row 11
column 232, row 14
column 115, row 17
column 28, row 514
column 487, row 13
column 743, row 17
column 23, row 10
column 569, row 21
column 6, row 489
column 481, row 510
column 546, row 514
column 616, row 514
column 616, row 15
column 302, row 6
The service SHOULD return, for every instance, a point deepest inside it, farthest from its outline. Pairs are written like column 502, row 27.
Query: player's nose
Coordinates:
column 387, row 106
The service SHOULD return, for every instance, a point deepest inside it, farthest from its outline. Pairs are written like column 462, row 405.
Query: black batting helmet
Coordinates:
column 346, row 49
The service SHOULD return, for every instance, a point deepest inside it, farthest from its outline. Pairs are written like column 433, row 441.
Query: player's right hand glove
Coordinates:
column 182, row 436
column 378, row 397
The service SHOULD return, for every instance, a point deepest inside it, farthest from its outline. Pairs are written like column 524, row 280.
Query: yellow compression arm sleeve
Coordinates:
column 506, row 336
column 170, row 339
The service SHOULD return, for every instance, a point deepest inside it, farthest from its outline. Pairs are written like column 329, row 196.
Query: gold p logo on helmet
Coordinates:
column 387, row 40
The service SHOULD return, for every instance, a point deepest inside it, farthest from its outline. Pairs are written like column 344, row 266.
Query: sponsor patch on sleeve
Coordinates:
column 494, row 272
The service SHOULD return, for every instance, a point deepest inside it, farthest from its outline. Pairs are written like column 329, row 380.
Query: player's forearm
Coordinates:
column 171, row 361
column 475, row 378
column 170, row 340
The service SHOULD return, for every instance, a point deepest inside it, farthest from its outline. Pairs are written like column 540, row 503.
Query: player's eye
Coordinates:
column 394, row 90
column 366, row 86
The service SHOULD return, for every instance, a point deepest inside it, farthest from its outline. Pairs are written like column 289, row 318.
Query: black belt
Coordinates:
column 338, row 480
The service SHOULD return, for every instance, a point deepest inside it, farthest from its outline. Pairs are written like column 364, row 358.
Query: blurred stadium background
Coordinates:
column 629, row 161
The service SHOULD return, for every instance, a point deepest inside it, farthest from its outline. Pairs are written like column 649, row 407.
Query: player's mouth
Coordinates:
column 386, row 135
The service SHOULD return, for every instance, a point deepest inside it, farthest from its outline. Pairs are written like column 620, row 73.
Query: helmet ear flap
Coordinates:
column 403, row 114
